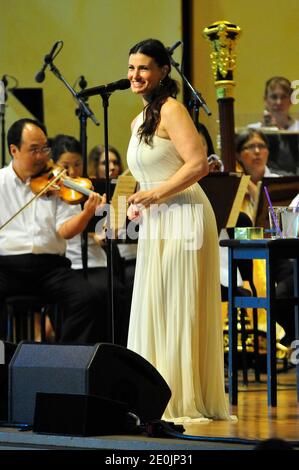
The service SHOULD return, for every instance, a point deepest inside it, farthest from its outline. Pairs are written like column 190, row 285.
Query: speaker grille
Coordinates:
column 104, row 370
column 48, row 368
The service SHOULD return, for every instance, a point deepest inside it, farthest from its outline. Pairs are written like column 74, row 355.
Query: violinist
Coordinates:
column 67, row 153
column 33, row 244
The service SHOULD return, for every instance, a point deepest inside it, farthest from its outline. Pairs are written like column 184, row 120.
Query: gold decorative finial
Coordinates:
column 223, row 35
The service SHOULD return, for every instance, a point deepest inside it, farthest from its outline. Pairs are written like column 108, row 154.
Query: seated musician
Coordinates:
column 96, row 162
column 252, row 153
column 67, row 152
column 284, row 146
column 33, row 243
column 277, row 101
column 96, row 169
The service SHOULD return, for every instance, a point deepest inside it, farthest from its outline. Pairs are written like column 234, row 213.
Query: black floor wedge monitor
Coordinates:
column 104, row 370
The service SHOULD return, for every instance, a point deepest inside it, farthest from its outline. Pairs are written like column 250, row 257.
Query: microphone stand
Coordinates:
column 105, row 101
column 197, row 99
column 83, row 113
column 2, row 116
column 83, row 139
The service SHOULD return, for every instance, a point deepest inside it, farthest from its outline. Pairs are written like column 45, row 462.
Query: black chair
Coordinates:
column 245, row 331
column 18, row 318
column 246, row 270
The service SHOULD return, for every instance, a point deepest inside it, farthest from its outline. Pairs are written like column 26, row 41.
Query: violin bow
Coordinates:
column 51, row 182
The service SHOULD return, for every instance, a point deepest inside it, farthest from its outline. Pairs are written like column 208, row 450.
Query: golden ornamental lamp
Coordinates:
column 223, row 36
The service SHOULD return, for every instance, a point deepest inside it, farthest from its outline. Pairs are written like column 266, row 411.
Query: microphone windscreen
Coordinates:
column 40, row 77
column 124, row 84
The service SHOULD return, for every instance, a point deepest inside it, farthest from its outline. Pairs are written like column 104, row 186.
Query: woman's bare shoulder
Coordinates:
column 173, row 106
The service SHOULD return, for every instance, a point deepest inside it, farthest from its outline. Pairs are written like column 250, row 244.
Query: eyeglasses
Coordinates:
column 252, row 147
column 44, row 150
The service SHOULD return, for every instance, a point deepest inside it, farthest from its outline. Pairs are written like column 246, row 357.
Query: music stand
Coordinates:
column 281, row 191
column 32, row 99
column 225, row 192
column 99, row 186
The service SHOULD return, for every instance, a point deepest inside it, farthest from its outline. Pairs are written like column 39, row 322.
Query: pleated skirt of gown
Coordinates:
column 175, row 320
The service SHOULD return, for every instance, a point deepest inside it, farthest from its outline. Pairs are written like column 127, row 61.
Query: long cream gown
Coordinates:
column 175, row 320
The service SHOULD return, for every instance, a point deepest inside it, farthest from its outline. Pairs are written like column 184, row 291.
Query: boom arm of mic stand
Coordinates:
column 85, row 112
column 82, row 105
column 195, row 93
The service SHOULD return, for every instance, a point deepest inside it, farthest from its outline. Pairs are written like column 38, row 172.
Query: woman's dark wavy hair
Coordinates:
column 168, row 87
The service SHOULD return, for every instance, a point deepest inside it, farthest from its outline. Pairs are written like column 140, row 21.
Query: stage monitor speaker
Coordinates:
column 102, row 369
column 81, row 415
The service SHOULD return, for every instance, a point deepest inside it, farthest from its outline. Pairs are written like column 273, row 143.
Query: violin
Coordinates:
column 54, row 178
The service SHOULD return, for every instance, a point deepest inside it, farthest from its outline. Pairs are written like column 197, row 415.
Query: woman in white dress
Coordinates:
column 175, row 320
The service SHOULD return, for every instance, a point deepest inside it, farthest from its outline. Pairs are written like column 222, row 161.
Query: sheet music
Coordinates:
column 237, row 204
column 125, row 187
column 256, row 202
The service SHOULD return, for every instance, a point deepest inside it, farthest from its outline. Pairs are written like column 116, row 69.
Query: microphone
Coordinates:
column 82, row 82
column 2, row 96
column 122, row 84
column 4, row 80
column 40, row 76
column 173, row 47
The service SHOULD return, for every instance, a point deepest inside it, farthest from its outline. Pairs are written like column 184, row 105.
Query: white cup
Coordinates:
column 290, row 222
column 275, row 221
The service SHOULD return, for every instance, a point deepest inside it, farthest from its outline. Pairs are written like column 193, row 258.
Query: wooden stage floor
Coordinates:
column 256, row 420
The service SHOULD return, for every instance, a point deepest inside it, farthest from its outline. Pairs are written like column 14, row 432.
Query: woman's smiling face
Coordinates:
column 145, row 74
